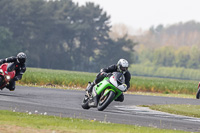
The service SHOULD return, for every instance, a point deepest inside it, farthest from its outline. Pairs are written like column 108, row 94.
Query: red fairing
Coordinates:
column 199, row 85
column 5, row 73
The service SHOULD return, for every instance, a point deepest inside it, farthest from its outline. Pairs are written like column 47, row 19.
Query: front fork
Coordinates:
column 94, row 99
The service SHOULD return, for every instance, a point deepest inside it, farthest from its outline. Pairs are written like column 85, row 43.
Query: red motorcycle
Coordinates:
column 198, row 92
column 7, row 73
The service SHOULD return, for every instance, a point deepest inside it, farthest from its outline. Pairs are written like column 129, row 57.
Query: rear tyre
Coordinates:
column 104, row 101
column 198, row 93
column 85, row 103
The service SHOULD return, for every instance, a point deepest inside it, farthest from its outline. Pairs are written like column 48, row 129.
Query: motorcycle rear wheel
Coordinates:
column 198, row 94
column 105, row 100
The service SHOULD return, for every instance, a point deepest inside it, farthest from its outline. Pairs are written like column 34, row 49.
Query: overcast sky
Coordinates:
column 142, row 14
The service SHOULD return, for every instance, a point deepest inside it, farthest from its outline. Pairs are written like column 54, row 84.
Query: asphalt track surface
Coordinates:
column 67, row 103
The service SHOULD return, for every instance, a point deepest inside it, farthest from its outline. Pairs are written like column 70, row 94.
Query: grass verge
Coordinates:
column 49, row 77
column 23, row 122
column 180, row 109
column 164, row 95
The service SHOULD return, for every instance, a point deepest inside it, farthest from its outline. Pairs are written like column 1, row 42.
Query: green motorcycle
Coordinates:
column 103, row 93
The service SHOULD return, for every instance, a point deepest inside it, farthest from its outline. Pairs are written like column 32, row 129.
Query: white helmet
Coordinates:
column 122, row 65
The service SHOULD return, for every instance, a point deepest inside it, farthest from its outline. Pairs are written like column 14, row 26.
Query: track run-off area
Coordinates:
column 67, row 103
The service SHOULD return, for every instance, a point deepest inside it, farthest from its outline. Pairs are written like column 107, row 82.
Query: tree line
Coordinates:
column 60, row 34
column 168, row 56
column 177, row 45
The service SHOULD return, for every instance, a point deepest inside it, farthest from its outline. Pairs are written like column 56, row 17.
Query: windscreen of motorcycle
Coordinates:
column 10, row 67
column 117, row 79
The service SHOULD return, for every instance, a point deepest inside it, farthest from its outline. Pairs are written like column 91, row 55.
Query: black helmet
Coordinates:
column 21, row 57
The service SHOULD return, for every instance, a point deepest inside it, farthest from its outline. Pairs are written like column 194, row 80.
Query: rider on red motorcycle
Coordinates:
column 20, row 68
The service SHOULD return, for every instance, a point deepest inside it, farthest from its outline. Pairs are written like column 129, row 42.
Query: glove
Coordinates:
column 18, row 77
column 104, row 74
column 109, row 74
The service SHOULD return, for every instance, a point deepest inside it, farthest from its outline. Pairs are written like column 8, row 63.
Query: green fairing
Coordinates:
column 104, row 84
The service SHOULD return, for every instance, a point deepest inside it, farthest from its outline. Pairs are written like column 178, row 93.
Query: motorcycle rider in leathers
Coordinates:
column 121, row 66
column 20, row 68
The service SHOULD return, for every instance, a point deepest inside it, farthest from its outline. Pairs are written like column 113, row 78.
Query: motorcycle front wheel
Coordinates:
column 198, row 93
column 104, row 101
column 85, row 103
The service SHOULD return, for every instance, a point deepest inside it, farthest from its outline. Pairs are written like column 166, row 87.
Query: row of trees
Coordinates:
column 168, row 56
column 60, row 34
column 177, row 35
column 175, row 45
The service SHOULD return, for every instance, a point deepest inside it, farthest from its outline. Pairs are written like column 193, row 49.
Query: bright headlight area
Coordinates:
column 1, row 71
column 8, row 77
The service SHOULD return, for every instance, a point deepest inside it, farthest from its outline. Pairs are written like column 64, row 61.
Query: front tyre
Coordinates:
column 104, row 101
column 198, row 93
column 1, row 80
column 85, row 103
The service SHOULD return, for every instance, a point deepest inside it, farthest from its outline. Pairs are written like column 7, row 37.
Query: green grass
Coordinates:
column 167, row 72
column 74, row 79
column 23, row 122
column 38, row 76
column 164, row 95
column 180, row 109
column 163, row 85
